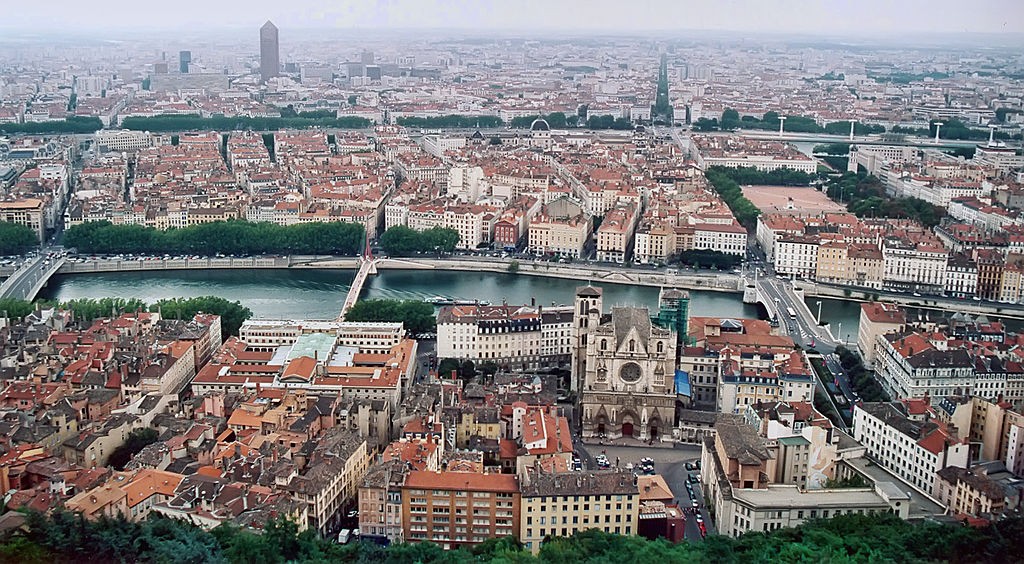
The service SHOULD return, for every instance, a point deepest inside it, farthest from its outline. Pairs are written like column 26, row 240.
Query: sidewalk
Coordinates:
column 629, row 442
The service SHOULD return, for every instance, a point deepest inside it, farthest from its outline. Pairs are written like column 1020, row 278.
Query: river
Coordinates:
column 318, row 294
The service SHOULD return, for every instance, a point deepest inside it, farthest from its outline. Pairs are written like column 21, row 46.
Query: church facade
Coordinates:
column 624, row 370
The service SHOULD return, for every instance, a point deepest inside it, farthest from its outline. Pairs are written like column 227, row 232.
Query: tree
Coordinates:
column 173, row 123
column 513, row 267
column 232, row 314
column 88, row 309
column 417, row 316
column 137, row 440
column 448, row 366
column 226, row 237
column 353, row 100
column 73, row 124
column 730, row 119
column 14, row 308
column 16, row 238
column 405, row 241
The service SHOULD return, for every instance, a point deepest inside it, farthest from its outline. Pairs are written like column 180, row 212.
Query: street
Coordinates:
column 670, row 463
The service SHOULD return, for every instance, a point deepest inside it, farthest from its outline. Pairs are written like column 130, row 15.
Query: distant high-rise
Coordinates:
column 366, row 57
column 184, row 60
column 270, row 56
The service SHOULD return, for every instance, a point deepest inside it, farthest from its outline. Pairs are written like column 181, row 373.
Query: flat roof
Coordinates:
column 782, row 497
column 313, row 345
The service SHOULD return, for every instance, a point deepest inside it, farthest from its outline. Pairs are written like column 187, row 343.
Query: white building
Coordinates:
column 729, row 239
column 796, row 255
column 905, row 439
column 911, row 366
column 519, row 336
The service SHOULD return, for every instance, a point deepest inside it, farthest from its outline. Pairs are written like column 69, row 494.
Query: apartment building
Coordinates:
column 796, row 255
column 562, row 227
column 877, row 319
column 737, row 469
column 25, row 211
column 459, row 509
column 730, row 239
column 615, row 234
column 913, row 366
column 562, row 504
column 522, row 336
column 907, row 439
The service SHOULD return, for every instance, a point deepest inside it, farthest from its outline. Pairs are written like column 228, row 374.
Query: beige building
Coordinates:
column 562, row 227
column 27, row 212
column 970, row 492
column 877, row 319
column 332, row 478
column 380, row 501
column 615, row 233
column 563, row 504
column 736, row 470
column 654, row 243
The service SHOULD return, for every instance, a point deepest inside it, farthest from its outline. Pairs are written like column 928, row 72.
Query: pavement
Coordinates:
column 669, row 462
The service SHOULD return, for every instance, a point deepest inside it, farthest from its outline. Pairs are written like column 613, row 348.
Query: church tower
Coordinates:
column 587, row 314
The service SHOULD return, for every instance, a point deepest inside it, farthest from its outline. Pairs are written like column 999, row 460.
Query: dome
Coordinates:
column 540, row 125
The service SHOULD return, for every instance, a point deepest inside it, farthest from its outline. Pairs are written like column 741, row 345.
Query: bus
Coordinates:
column 791, row 312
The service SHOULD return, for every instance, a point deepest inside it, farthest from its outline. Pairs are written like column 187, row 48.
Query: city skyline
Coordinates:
column 868, row 18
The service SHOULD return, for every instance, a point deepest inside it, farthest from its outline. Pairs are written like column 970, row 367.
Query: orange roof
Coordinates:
column 462, row 481
column 149, row 482
column 243, row 418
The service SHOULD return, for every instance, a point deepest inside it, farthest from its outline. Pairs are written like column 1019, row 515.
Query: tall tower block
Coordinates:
column 270, row 54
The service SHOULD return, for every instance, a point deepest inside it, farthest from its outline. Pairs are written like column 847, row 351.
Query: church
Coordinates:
column 624, row 365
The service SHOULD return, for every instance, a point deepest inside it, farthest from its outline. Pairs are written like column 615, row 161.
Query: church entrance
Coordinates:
column 653, row 424
column 627, row 429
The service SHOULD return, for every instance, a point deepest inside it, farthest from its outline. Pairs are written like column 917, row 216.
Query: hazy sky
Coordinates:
column 805, row 16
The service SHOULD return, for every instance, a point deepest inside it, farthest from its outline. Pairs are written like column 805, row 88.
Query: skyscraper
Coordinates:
column 270, row 57
column 184, row 60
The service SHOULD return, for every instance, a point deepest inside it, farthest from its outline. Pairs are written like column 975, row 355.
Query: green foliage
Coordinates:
column 556, row 120
column 865, row 197
column 227, row 237
column 742, row 208
column 417, row 316
column 863, row 382
column 906, row 77
column 232, row 314
column 67, row 537
column 15, row 308
column 843, row 128
column 709, row 259
column 662, row 106
column 73, row 124
column 854, row 481
column 464, row 369
column 832, row 149
column 16, row 238
column 705, row 124
column 608, row 122
column 353, row 100
column 220, row 123
column 513, row 267
column 450, row 121
column 87, row 309
column 777, row 177
column 402, row 241
column 137, row 440
column 730, row 119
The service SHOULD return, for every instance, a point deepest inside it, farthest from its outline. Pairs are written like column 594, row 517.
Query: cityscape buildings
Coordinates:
column 781, row 171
